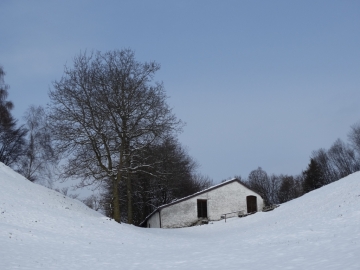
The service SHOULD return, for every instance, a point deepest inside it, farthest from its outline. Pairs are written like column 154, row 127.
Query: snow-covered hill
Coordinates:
column 42, row 229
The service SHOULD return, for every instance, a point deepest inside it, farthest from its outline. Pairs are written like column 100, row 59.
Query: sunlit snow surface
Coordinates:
column 42, row 229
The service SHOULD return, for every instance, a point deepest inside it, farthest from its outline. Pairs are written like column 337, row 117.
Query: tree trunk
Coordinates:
column 129, row 200
column 116, row 199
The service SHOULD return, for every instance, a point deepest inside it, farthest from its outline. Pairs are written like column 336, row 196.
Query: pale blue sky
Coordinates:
column 259, row 83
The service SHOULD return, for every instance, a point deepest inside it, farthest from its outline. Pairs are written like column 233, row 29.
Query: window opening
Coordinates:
column 251, row 204
column 202, row 208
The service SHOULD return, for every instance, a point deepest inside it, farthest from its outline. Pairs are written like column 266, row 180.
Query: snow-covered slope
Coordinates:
column 42, row 229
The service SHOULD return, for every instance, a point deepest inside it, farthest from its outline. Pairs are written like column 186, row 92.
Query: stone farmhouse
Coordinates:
column 230, row 198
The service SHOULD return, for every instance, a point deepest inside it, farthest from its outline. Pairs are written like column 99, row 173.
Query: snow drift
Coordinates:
column 42, row 229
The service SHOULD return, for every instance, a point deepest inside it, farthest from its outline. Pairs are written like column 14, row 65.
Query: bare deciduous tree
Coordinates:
column 354, row 137
column 266, row 186
column 343, row 159
column 93, row 202
column 39, row 154
column 104, row 112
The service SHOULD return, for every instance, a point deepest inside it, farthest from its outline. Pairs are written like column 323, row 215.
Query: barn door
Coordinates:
column 202, row 208
column 251, row 204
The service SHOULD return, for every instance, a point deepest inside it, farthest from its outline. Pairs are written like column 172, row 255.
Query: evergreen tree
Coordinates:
column 11, row 138
column 38, row 156
column 313, row 178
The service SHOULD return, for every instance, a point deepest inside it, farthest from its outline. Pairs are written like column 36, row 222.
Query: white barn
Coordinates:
column 208, row 205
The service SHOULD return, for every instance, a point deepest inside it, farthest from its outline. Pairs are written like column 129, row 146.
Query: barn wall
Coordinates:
column 154, row 221
column 225, row 199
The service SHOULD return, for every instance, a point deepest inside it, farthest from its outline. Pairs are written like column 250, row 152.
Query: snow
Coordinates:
column 42, row 229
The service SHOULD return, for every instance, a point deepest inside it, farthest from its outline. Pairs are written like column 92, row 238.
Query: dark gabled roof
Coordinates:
column 196, row 194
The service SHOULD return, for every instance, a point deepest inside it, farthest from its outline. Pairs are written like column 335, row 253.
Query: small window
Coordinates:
column 202, row 208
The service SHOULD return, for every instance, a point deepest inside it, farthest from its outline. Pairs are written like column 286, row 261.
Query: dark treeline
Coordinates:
column 172, row 177
column 325, row 167
column 108, row 126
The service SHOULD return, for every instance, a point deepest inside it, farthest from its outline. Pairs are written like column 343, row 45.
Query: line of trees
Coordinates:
column 109, row 126
column 325, row 167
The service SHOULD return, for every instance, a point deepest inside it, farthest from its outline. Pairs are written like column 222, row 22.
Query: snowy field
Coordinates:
column 42, row 229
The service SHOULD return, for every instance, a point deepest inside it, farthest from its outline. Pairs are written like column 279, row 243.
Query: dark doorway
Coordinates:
column 202, row 208
column 251, row 204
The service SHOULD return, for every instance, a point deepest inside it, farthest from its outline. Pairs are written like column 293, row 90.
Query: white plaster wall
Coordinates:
column 222, row 200
column 154, row 221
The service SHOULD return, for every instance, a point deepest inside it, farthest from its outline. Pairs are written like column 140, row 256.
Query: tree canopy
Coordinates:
column 105, row 112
